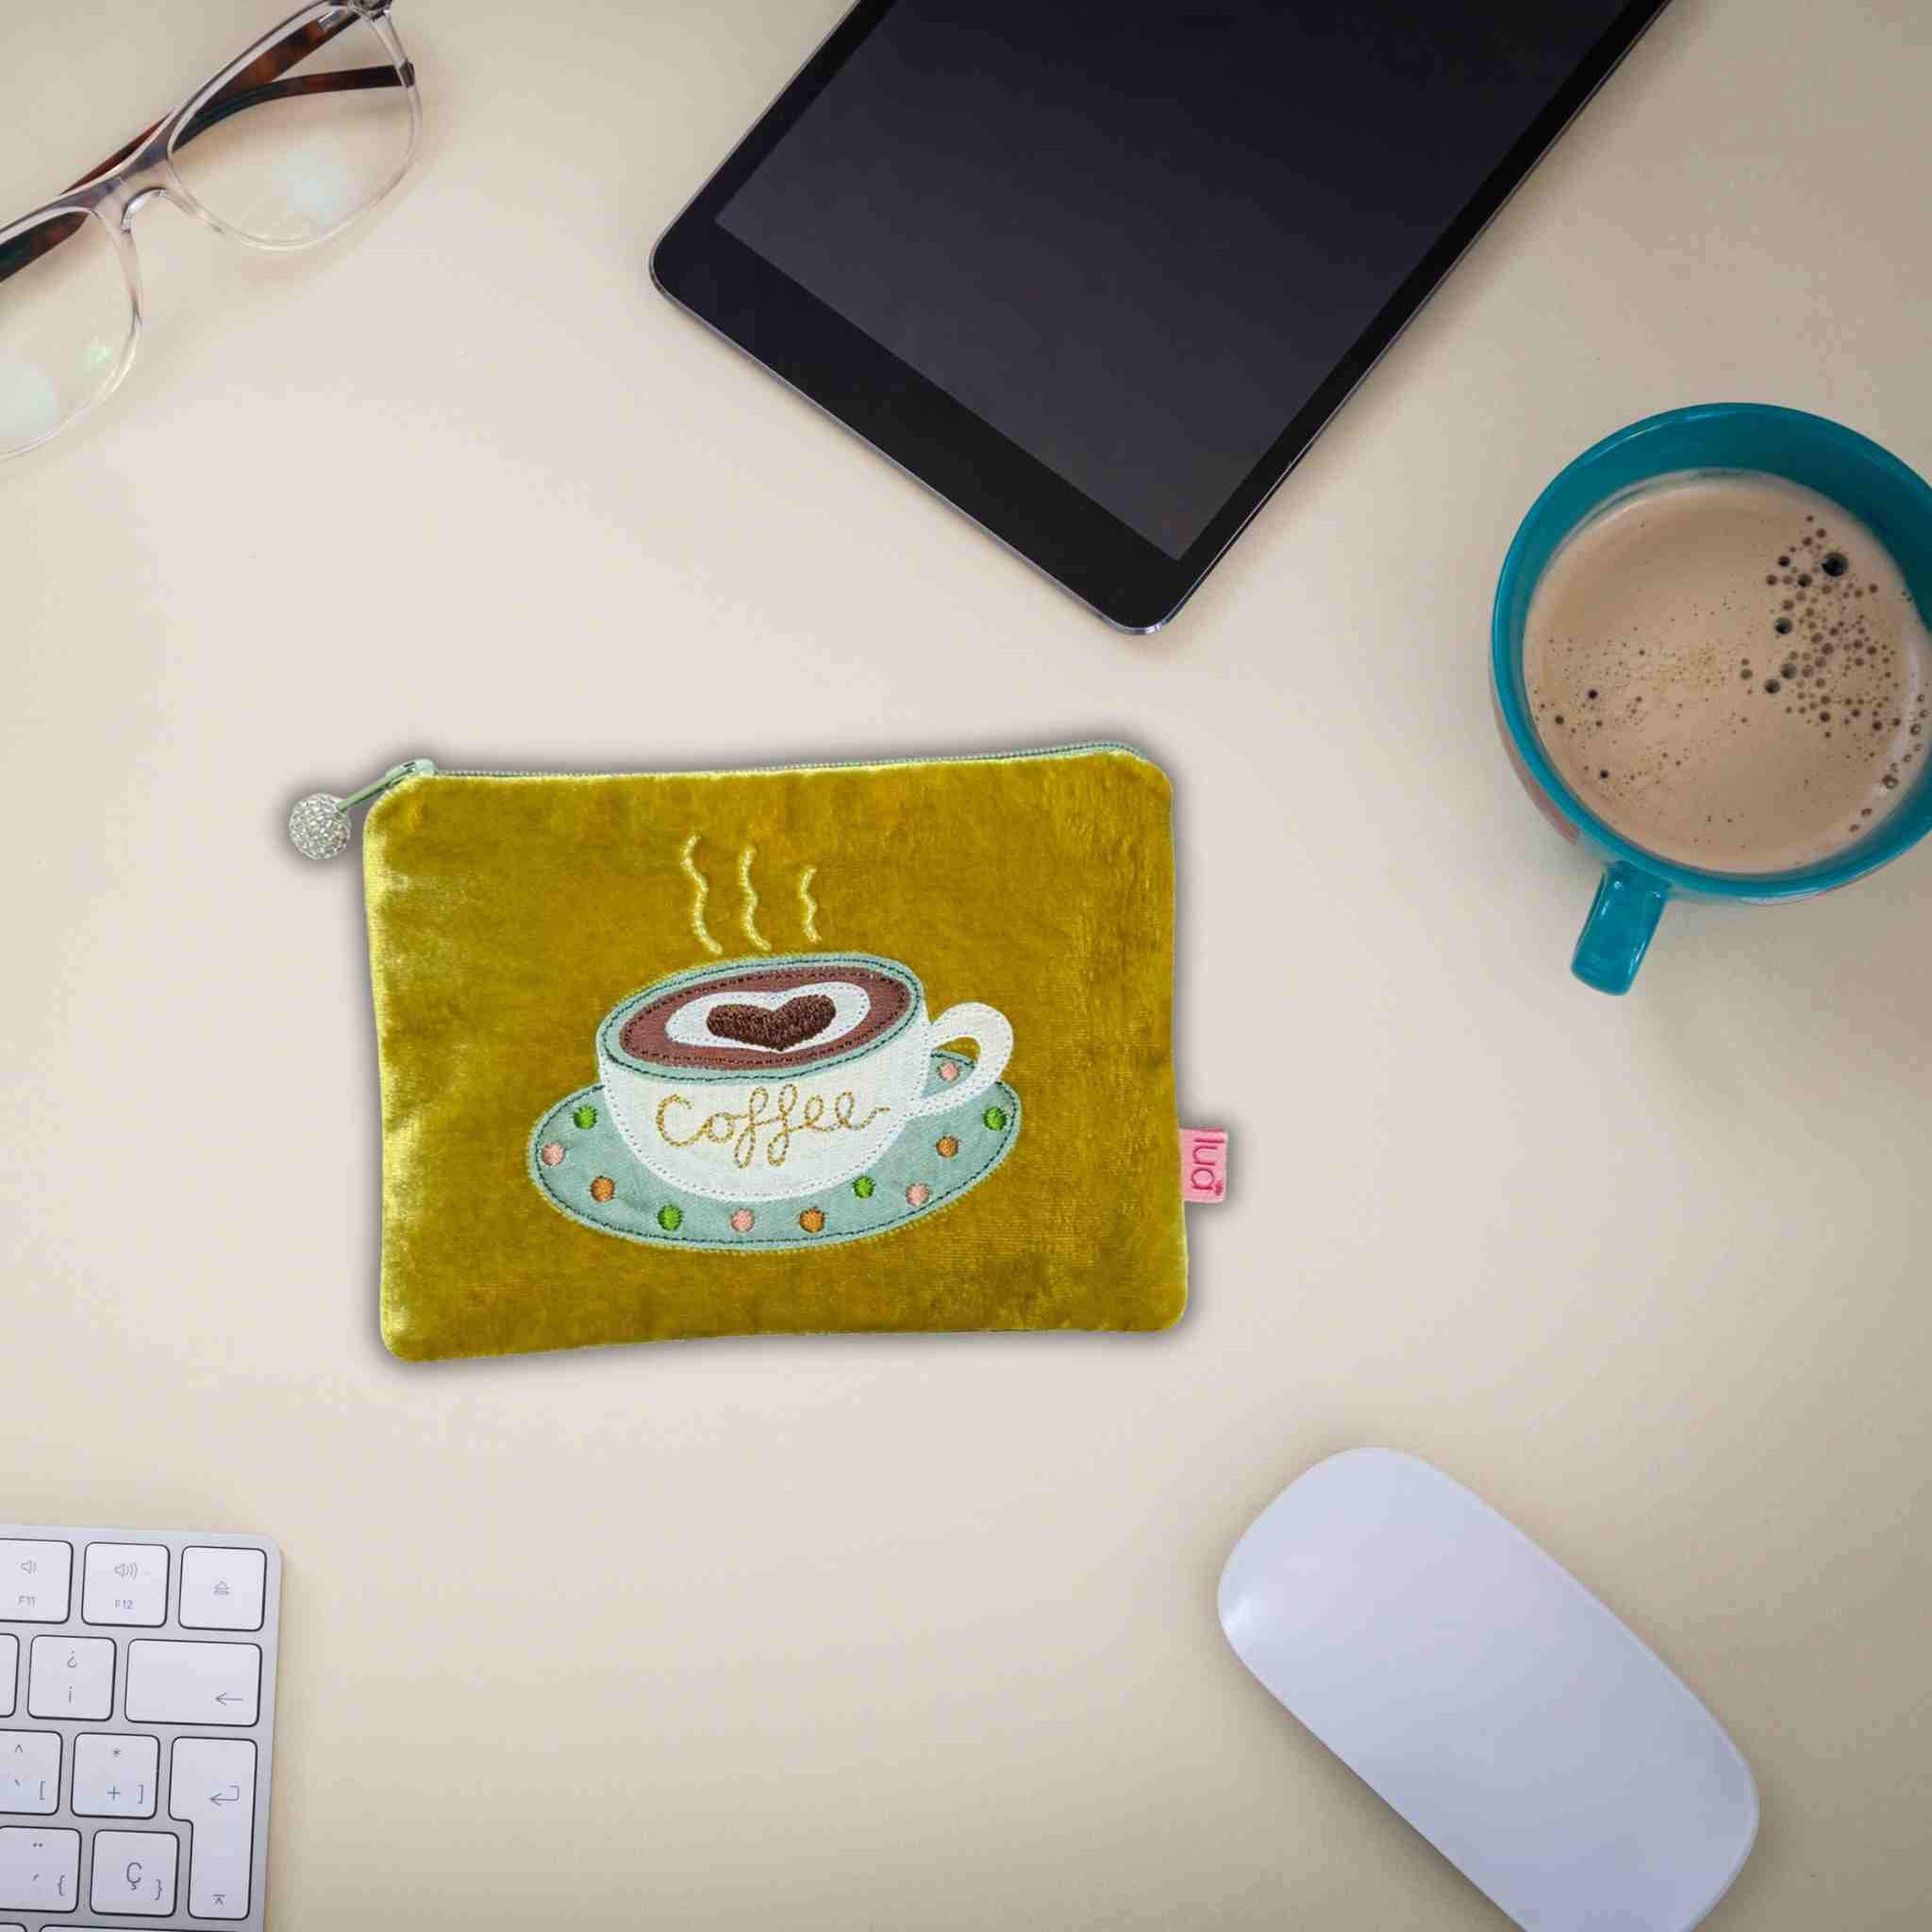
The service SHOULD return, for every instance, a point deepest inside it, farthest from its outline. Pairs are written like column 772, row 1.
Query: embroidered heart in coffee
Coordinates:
column 777, row 1028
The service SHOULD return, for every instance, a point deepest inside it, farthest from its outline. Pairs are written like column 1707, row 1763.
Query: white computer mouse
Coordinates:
column 1473, row 1683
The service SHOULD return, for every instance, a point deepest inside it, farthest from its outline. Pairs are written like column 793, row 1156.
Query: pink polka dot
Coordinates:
column 743, row 1219
column 919, row 1193
column 949, row 1070
column 551, row 1153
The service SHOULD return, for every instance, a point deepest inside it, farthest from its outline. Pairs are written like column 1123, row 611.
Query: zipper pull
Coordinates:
column 319, row 824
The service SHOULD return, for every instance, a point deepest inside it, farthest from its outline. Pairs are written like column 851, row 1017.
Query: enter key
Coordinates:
column 212, row 1788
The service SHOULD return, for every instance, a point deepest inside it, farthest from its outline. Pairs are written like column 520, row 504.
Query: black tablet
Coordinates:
column 1098, row 270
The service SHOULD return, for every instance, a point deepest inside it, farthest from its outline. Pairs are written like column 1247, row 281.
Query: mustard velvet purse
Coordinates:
column 838, row 1047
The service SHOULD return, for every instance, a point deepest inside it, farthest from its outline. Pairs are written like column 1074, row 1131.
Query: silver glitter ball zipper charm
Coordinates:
column 319, row 824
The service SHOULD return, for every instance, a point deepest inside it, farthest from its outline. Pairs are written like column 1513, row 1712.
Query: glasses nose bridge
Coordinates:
column 130, row 195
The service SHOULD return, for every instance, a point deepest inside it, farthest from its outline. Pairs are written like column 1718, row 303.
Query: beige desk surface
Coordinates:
column 920, row 1633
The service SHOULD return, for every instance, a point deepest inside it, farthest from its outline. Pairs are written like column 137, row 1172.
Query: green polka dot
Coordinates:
column 670, row 1218
column 585, row 1117
column 863, row 1187
column 994, row 1119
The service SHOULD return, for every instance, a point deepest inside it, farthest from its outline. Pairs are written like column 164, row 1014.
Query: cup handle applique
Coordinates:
column 989, row 1030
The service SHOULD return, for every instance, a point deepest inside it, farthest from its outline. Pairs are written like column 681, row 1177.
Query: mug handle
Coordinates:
column 990, row 1031
column 1615, row 937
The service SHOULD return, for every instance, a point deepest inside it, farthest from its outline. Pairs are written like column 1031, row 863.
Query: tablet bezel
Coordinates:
column 941, row 442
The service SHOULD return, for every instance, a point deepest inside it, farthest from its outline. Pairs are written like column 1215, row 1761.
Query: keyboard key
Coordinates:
column 223, row 1589
column 175, row 1683
column 115, row 1778
column 125, row 1583
column 134, row 1873
column 40, row 1869
column 34, row 1578
column 212, row 1787
column 170, row 1636
column 71, row 1676
column 29, row 1771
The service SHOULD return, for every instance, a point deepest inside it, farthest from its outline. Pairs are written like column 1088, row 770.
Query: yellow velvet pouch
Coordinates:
column 866, row 1046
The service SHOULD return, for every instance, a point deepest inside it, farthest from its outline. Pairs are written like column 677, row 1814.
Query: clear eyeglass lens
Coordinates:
column 65, row 318
column 306, row 137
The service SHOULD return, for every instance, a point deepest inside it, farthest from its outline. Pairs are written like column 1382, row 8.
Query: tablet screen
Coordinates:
column 1134, row 237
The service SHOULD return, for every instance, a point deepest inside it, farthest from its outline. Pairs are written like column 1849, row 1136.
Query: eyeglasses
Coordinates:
column 276, row 157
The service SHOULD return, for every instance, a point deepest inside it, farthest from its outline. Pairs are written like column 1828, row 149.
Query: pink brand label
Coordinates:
column 1204, row 1164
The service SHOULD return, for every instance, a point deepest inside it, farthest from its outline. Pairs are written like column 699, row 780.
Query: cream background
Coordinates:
column 921, row 1633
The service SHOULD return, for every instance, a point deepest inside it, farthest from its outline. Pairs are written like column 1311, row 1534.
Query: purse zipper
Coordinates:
column 319, row 824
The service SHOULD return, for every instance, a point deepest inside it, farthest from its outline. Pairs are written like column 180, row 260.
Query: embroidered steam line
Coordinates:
column 748, row 918
column 810, row 905
column 702, row 892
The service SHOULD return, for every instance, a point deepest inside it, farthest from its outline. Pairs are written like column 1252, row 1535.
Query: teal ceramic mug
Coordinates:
column 1889, row 499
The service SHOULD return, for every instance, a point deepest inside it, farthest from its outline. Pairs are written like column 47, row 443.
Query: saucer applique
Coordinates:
column 586, row 1169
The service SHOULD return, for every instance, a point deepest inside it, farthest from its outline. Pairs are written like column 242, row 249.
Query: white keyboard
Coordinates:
column 137, row 1717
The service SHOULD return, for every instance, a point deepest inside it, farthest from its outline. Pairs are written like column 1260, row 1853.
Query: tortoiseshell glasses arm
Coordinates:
column 256, row 84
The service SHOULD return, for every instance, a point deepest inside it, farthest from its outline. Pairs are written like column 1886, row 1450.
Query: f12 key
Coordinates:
column 136, row 1721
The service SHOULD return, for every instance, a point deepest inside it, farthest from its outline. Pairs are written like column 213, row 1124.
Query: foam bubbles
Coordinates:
column 1646, row 659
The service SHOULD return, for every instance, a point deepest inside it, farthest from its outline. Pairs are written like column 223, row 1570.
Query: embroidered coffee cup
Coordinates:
column 768, row 1078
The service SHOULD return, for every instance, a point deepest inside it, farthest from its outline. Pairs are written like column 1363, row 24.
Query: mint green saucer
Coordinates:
column 912, row 1180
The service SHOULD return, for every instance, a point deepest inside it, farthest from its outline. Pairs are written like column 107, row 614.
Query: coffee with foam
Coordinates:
column 766, row 1019
column 1730, row 672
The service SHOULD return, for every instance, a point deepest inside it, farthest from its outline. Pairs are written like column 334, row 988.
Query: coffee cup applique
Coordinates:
column 777, row 1102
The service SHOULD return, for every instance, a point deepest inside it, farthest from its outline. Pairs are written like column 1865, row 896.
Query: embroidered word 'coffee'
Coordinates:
column 739, row 1131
